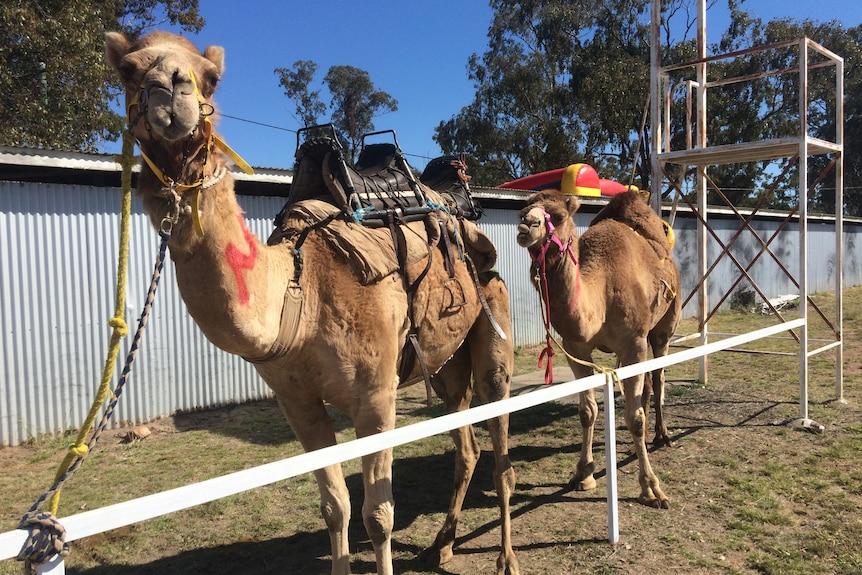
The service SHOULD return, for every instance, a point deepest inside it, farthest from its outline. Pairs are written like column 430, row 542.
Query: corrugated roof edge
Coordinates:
column 108, row 163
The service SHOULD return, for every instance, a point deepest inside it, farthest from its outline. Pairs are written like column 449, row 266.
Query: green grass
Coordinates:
column 749, row 494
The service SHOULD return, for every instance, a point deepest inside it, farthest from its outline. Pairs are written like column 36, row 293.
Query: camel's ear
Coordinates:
column 215, row 54
column 572, row 203
column 116, row 48
column 212, row 76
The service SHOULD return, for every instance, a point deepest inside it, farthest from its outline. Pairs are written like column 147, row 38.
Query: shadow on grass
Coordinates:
column 423, row 486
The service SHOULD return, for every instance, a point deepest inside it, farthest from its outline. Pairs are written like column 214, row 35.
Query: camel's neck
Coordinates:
column 233, row 285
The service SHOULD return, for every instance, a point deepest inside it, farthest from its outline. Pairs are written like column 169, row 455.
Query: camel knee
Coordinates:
column 336, row 513
column 504, row 479
column 379, row 522
column 494, row 386
column 636, row 423
column 587, row 413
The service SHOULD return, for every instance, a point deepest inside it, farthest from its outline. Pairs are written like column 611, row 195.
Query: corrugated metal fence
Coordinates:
column 58, row 252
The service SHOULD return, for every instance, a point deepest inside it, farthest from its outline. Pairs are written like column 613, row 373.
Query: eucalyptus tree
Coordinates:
column 564, row 82
column 354, row 104
column 55, row 88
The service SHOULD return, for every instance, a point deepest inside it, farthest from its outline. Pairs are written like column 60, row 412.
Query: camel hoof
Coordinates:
column 662, row 441
column 436, row 556
column 654, row 502
column 585, row 484
column 508, row 565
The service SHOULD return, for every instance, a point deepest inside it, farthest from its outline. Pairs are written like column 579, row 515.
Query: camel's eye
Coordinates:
column 210, row 83
column 127, row 71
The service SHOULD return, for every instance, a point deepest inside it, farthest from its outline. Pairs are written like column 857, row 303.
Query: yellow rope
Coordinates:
column 610, row 374
column 117, row 322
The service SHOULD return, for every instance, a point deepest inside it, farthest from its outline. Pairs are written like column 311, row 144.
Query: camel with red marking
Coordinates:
column 344, row 343
column 615, row 288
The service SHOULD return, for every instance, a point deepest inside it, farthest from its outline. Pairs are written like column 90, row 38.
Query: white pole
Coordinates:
column 611, row 464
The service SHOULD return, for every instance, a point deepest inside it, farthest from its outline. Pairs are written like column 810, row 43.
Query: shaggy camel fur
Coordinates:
column 615, row 289
column 349, row 338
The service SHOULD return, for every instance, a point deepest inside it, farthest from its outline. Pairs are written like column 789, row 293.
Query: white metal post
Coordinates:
column 803, row 227
column 611, row 463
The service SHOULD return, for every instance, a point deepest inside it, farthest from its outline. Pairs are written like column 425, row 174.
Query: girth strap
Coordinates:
column 291, row 310
column 411, row 351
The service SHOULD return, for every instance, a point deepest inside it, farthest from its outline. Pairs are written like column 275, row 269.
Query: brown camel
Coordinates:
column 347, row 339
column 614, row 289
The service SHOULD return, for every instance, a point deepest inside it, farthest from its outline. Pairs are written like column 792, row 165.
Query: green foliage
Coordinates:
column 561, row 82
column 354, row 105
column 296, row 83
column 564, row 82
column 355, row 102
column 56, row 90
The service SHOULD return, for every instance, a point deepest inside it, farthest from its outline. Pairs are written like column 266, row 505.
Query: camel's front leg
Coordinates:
column 636, row 421
column 313, row 427
column 583, row 479
column 588, row 410
column 375, row 414
column 335, row 509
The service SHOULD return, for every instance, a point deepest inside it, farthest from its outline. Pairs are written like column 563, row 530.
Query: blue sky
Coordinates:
column 417, row 51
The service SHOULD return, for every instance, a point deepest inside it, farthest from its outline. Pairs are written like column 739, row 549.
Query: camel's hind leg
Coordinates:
column 491, row 359
column 655, row 385
column 452, row 384
column 659, row 341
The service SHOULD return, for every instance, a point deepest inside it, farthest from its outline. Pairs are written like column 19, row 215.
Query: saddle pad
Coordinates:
column 369, row 251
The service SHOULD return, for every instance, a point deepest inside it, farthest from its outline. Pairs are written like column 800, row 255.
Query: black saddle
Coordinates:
column 447, row 175
column 380, row 187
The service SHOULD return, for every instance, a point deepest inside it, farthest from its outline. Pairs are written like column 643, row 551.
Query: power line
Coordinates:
column 256, row 123
column 294, row 131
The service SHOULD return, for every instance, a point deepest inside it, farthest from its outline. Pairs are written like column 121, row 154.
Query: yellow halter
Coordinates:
column 211, row 139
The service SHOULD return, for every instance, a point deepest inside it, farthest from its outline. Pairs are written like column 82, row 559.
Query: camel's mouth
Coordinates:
column 173, row 113
column 526, row 236
column 531, row 229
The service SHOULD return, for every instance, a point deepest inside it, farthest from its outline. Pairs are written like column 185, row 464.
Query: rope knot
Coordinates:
column 46, row 539
column 119, row 324
column 549, row 369
column 79, row 450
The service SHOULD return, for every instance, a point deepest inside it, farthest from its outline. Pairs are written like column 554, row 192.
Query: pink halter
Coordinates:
column 539, row 259
column 540, row 265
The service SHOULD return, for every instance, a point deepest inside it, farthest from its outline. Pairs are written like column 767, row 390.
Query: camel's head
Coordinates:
column 546, row 211
column 169, row 84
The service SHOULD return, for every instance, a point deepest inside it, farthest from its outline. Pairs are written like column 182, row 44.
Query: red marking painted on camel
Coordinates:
column 239, row 261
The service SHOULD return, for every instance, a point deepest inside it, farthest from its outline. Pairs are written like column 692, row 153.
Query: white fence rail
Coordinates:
column 129, row 512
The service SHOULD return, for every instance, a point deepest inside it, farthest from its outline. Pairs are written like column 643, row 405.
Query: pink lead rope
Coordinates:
column 539, row 263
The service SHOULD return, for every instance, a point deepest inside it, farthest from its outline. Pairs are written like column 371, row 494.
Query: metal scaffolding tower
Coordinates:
column 693, row 79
